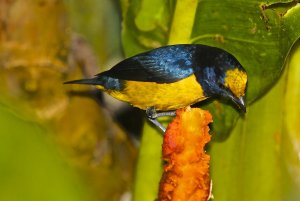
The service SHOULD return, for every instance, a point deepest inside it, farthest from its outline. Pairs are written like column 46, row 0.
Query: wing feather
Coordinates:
column 162, row 65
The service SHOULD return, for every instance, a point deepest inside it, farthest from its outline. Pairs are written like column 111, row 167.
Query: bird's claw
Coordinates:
column 152, row 115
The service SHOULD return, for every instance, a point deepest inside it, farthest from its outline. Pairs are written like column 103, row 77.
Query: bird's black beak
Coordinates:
column 240, row 102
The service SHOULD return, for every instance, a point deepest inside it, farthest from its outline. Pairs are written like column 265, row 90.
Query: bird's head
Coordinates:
column 225, row 79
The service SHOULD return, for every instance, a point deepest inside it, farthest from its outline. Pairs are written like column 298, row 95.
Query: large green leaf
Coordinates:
column 290, row 144
column 260, row 35
column 244, row 167
column 260, row 160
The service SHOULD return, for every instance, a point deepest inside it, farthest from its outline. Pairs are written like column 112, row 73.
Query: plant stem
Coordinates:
column 183, row 21
column 149, row 166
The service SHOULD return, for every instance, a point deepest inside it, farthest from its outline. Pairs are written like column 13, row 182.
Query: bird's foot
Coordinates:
column 152, row 115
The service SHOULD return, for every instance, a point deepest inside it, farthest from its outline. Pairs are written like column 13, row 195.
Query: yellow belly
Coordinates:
column 165, row 96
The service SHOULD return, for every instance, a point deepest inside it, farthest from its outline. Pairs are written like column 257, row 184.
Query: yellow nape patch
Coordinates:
column 236, row 81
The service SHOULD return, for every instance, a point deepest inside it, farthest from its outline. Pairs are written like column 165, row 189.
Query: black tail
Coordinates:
column 106, row 82
column 92, row 81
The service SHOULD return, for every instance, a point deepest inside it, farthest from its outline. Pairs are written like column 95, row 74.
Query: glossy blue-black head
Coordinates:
column 222, row 76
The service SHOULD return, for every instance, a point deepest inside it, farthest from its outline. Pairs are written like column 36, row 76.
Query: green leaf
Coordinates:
column 245, row 166
column 291, row 129
column 30, row 166
column 148, row 171
column 261, row 157
column 260, row 35
column 138, row 39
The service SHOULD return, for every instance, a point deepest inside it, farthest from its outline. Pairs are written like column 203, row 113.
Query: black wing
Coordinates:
column 162, row 65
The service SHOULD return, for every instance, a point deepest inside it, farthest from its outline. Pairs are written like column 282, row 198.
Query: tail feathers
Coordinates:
column 93, row 81
column 108, row 83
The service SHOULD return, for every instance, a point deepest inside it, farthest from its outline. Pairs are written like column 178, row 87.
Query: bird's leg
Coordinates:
column 152, row 115
column 159, row 125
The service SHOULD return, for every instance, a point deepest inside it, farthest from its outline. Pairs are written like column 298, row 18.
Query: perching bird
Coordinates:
column 175, row 76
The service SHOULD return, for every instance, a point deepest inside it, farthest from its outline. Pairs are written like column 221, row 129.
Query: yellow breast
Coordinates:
column 163, row 96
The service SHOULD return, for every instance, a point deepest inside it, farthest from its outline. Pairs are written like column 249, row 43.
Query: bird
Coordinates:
column 172, row 77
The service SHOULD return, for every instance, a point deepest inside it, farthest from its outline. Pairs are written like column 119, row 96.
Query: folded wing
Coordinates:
column 162, row 65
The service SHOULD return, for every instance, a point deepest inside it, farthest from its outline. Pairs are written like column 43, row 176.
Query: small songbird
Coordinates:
column 175, row 76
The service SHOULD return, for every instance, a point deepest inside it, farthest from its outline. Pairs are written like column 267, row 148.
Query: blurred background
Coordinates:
column 61, row 142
